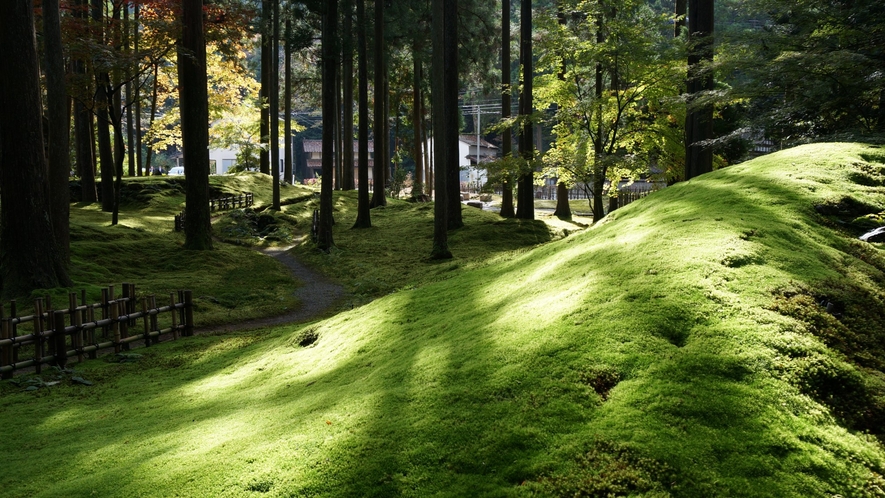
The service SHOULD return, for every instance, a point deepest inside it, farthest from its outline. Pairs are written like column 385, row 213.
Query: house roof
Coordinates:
column 317, row 146
column 471, row 139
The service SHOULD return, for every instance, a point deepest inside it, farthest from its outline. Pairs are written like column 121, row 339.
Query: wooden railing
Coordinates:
column 245, row 199
column 50, row 341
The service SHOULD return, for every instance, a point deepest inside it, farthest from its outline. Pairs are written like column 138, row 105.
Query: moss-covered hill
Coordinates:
column 722, row 337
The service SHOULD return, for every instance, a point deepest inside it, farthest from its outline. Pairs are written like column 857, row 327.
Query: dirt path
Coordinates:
column 318, row 297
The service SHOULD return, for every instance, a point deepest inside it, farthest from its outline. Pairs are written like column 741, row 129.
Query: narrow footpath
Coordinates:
column 318, row 296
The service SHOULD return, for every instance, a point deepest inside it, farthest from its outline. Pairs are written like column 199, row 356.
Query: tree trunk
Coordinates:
column 363, row 215
column 150, row 150
column 445, row 125
column 347, row 81
column 102, row 107
column 264, row 93
column 699, row 119
column 339, row 139
column 137, row 93
column 130, row 132
column 29, row 257
column 58, row 109
column 525, row 206
column 563, row 210
column 379, row 126
column 274, row 104
column 83, row 125
column 418, row 184
column 117, row 118
column 329, row 68
column 193, row 97
column 507, row 134
column 679, row 25
column 287, row 106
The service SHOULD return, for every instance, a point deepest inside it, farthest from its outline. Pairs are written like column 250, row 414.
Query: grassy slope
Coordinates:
column 646, row 355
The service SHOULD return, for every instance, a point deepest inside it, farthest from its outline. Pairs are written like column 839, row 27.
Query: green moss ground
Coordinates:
column 679, row 348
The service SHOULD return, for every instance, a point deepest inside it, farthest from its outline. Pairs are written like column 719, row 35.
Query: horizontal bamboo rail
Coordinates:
column 245, row 199
column 54, row 342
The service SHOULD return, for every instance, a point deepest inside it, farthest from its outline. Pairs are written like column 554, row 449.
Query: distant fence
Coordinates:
column 47, row 340
column 245, row 199
column 624, row 197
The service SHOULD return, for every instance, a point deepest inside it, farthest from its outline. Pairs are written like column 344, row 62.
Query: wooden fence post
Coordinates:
column 77, row 322
column 58, row 337
column 188, row 313
column 5, row 351
column 105, row 311
column 38, row 335
column 154, row 321
column 173, row 312
column 115, row 324
column 144, row 319
column 13, row 328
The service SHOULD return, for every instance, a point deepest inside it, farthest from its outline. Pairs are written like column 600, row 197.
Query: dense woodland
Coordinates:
column 100, row 89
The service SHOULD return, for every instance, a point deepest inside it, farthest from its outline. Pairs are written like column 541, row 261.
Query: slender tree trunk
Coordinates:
column 287, row 106
column 275, row 106
column 154, row 95
column 363, row 216
column 83, row 123
column 130, row 132
column 58, row 109
column 264, row 94
column 85, row 159
column 116, row 115
column 699, row 118
column 507, row 134
column 347, row 81
column 418, row 185
column 679, row 25
column 525, row 207
column 102, row 107
column 29, row 257
column 599, row 169
column 194, row 96
column 563, row 209
column 445, row 129
column 379, row 126
column 339, row 138
column 136, row 37
column 329, row 68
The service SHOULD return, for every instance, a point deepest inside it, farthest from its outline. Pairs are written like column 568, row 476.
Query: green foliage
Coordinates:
column 811, row 69
column 632, row 119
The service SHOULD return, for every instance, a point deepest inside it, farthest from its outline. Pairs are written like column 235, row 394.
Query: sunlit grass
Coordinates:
column 644, row 356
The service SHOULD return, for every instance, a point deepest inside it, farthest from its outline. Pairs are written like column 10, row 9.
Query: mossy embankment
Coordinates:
column 722, row 337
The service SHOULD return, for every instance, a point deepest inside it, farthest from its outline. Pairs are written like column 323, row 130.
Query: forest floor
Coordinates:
column 721, row 337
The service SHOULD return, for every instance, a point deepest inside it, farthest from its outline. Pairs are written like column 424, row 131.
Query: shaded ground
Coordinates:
column 318, row 297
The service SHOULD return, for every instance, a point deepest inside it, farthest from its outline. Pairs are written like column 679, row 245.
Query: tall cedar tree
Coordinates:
column 507, row 134
column 330, row 69
column 287, row 101
column 525, row 205
column 194, row 96
column 563, row 209
column 363, row 216
column 102, row 115
column 29, row 257
column 264, row 93
column 347, row 102
column 445, row 123
column 379, row 127
column 699, row 118
column 59, row 130
column 83, row 121
column 274, row 106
